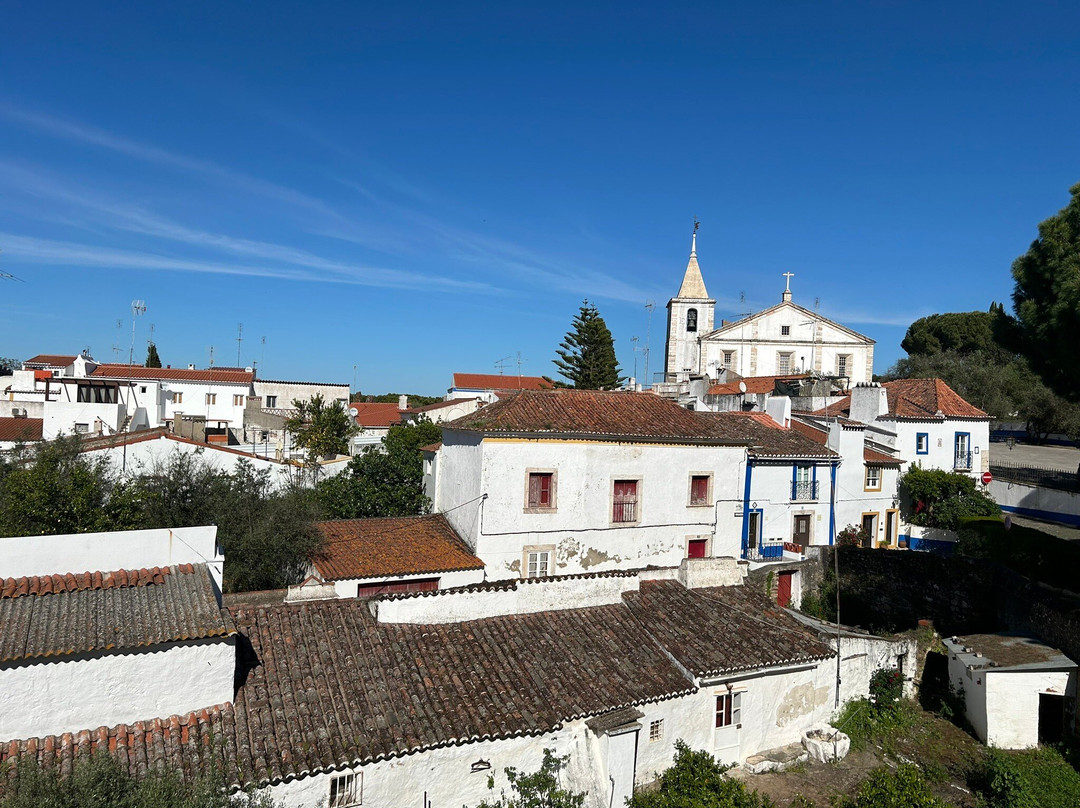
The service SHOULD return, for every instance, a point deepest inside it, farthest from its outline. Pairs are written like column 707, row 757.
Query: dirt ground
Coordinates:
column 937, row 745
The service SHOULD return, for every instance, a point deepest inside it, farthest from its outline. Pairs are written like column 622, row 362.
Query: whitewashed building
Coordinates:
column 489, row 387
column 779, row 341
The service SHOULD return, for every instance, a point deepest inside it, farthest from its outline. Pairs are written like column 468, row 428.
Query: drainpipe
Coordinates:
column 746, row 508
column 832, row 502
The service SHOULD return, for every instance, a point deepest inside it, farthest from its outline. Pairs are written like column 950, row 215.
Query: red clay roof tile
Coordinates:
column 21, row 429
column 495, row 381
column 220, row 375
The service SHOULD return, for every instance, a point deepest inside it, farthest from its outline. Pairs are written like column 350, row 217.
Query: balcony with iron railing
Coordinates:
column 770, row 550
column 962, row 461
column 804, row 490
column 624, row 510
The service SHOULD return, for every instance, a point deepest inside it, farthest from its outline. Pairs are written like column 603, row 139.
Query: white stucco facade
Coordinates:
column 53, row 696
column 347, row 587
column 944, row 443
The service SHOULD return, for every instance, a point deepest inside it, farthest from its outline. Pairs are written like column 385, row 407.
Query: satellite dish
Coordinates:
column 742, row 387
column 354, row 412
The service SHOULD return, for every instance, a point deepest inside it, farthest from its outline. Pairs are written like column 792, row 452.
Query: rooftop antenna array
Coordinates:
column 119, row 336
column 239, row 339
column 137, row 307
column 500, row 364
column 9, row 277
column 649, row 306
column 150, row 340
column 744, row 309
column 520, row 361
column 635, row 341
column 262, row 358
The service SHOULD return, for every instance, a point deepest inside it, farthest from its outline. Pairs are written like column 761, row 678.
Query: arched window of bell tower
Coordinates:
column 691, row 319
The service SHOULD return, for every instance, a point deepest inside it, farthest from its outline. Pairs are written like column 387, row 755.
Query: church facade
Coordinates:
column 785, row 339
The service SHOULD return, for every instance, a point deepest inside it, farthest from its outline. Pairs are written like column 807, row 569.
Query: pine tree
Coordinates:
column 152, row 358
column 587, row 354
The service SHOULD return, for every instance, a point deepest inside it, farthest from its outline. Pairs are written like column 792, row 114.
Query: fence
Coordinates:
column 1030, row 475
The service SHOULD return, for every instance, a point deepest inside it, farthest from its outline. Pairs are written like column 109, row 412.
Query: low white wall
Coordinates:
column 87, row 692
column 1030, row 500
column 695, row 573
column 346, row 588
column 115, row 550
column 1012, row 704
column 529, row 596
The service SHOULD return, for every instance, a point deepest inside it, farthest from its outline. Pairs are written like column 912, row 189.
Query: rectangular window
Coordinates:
column 784, row 363
column 729, row 710
column 238, row 401
column 211, row 398
column 142, row 389
column 729, row 359
column 842, row 363
column 785, row 330
column 82, row 429
column 625, row 501
column 922, row 443
column 178, row 398
column 656, row 730
column 541, row 489
column 697, row 548
column 395, row 587
column 699, row 489
column 346, row 790
column 804, row 486
column 538, row 564
column 271, row 402
column 873, row 478
column 963, row 451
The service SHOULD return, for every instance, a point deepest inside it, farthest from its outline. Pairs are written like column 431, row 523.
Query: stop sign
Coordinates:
column 987, row 478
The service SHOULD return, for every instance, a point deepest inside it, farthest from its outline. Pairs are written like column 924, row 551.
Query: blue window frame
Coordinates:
column 922, row 443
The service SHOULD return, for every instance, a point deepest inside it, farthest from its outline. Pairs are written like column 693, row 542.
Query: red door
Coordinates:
column 695, row 548
column 783, row 588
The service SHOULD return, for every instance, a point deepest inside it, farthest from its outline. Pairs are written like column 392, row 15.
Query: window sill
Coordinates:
column 540, row 510
column 699, row 505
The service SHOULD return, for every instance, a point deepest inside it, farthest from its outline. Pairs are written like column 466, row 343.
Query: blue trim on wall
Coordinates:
column 746, row 508
column 832, row 503
column 1046, row 516
column 926, row 436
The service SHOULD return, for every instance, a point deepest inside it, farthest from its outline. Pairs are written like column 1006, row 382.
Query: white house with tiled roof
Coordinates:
column 779, row 341
column 489, row 386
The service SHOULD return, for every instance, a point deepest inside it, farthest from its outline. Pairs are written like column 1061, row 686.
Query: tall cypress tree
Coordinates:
column 587, row 354
column 152, row 358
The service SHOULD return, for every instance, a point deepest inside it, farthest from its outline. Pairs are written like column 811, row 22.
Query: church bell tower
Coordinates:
column 690, row 316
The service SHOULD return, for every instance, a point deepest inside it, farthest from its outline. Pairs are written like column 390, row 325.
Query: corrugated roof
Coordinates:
column 722, row 630
column 495, row 381
column 138, row 372
column 390, row 546
column 21, row 429
column 592, row 413
column 181, row 605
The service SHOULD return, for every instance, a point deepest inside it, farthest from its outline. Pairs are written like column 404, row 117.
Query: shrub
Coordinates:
column 540, row 788
column 696, row 779
column 903, row 787
column 1036, row 778
column 852, row 536
column 941, row 499
column 886, row 688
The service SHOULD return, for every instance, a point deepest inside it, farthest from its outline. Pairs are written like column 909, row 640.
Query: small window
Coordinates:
column 211, row 398
column 729, row 359
column 784, row 363
column 699, row 489
column 346, row 790
column 842, row 365
column 538, row 563
column 142, row 389
column 625, row 501
column 785, row 330
column 238, row 401
column 691, row 319
column 271, row 402
column 922, row 443
column 541, row 489
column 82, row 429
column 178, row 398
column 873, row 478
column 729, row 710
column 656, row 730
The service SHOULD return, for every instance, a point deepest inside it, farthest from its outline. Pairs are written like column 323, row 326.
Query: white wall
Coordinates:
column 770, row 488
column 114, row 550
column 287, row 392
column 1012, row 704
column 942, row 436
column 1047, row 503
column 346, row 588
column 46, row 697
column 194, row 401
column 460, row 470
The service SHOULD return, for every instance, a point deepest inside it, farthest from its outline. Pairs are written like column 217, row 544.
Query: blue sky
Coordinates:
column 418, row 188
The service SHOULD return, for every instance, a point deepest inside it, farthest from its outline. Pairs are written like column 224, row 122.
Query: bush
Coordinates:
column 696, row 780
column 1036, row 778
column 541, row 788
column 903, row 787
column 886, row 689
column 852, row 536
column 941, row 499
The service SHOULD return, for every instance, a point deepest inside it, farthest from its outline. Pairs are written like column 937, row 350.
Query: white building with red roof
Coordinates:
column 489, row 386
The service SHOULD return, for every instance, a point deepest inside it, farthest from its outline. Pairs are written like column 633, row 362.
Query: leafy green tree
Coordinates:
column 386, row 480
column 152, row 358
column 7, row 364
column 587, row 353
column 1046, row 300
column 941, row 499
column 540, row 789
column 392, row 398
column 321, row 427
column 696, row 780
column 963, row 332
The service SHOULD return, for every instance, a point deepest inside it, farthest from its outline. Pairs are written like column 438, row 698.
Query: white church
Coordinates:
column 783, row 340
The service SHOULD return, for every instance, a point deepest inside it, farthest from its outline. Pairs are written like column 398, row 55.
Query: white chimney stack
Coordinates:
column 403, row 402
column 869, row 400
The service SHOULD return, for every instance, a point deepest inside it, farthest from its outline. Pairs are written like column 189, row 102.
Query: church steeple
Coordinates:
column 693, row 285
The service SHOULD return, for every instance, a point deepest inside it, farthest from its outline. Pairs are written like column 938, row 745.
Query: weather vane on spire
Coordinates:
column 693, row 241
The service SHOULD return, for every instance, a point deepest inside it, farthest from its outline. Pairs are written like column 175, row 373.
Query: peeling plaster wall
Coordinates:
column 80, row 692
column 579, row 528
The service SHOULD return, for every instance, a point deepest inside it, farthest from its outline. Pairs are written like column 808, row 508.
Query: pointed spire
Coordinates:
column 693, row 285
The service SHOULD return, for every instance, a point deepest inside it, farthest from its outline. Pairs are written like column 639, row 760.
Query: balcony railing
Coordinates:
column 962, row 461
column 773, row 551
column 803, row 490
column 625, row 510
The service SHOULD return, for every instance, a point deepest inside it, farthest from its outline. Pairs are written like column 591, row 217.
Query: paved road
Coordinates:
column 1062, row 458
column 1061, row 531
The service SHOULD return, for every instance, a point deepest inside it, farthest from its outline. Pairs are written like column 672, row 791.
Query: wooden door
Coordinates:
column 869, row 523
column 754, row 529
column 783, row 588
column 801, row 534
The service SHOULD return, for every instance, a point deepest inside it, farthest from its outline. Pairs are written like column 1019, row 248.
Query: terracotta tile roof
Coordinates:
column 182, row 605
column 83, row 581
column 871, row 456
column 384, row 547
column 754, row 384
column 722, row 630
column 431, row 447
column 51, row 360
column 376, row 414
column 591, row 413
column 765, row 437
column 876, row 458
column 25, row 429
column 495, row 381
column 438, row 405
column 920, row 399
column 138, row 372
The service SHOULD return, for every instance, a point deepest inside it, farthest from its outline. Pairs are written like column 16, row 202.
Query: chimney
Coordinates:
column 403, row 402
column 191, row 366
column 869, row 400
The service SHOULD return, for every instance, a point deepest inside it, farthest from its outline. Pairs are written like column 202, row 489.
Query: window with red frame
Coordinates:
column 540, row 489
column 699, row 489
column 625, row 501
column 728, row 710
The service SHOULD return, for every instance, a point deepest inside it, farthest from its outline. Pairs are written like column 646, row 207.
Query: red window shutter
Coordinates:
column 545, row 490
column 534, row 490
column 696, row 548
column 699, row 490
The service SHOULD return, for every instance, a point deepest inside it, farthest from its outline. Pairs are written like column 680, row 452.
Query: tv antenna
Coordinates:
column 137, row 307
column 520, row 362
column 500, row 364
column 262, row 358
column 119, row 336
column 649, row 306
column 239, row 339
column 150, row 341
column 9, row 277
column 743, row 307
column 817, row 303
column 635, row 341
